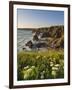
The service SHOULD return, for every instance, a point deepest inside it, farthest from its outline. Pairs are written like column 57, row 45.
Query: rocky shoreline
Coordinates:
column 44, row 38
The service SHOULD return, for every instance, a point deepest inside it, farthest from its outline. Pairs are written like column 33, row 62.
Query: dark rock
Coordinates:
column 35, row 37
column 45, row 34
column 37, row 45
column 29, row 43
column 23, row 48
column 41, row 45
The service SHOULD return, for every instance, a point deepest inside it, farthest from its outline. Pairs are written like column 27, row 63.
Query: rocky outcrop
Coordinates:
column 53, row 31
column 41, row 45
column 52, row 37
column 37, row 45
column 35, row 37
column 45, row 34
column 29, row 44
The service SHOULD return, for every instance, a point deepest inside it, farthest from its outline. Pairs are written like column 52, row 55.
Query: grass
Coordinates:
column 40, row 65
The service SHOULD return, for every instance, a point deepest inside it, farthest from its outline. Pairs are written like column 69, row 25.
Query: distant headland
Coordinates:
column 25, row 28
column 40, row 28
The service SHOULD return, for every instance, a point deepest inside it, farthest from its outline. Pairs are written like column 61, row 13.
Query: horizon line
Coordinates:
column 39, row 27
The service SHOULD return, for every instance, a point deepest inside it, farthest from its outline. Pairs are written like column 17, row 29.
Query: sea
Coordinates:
column 23, row 36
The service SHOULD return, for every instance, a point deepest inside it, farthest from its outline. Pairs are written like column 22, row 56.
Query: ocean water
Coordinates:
column 23, row 36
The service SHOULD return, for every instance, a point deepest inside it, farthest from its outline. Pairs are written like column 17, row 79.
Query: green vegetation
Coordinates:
column 40, row 65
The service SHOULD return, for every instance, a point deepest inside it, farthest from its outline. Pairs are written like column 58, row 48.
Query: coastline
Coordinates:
column 40, row 27
column 44, row 37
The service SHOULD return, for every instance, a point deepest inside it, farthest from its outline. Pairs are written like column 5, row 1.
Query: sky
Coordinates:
column 30, row 18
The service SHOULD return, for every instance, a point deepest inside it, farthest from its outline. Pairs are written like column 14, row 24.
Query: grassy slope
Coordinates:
column 40, row 65
column 50, row 52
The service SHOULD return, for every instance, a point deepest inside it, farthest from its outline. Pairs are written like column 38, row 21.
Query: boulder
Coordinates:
column 29, row 44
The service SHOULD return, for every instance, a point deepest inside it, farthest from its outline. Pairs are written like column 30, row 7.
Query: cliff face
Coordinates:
column 53, row 31
column 53, row 36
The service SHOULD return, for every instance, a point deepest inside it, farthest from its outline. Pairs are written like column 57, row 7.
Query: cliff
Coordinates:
column 54, row 35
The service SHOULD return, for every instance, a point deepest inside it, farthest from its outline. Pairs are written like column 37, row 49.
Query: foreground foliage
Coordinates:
column 40, row 65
